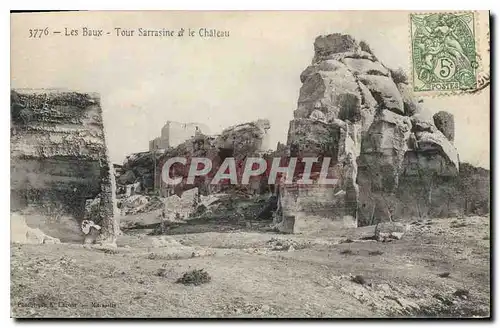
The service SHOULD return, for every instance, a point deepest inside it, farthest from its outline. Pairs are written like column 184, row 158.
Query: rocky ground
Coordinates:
column 439, row 268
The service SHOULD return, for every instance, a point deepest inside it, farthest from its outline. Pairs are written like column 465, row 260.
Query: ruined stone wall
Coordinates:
column 175, row 133
column 58, row 153
column 239, row 141
column 247, row 139
column 158, row 143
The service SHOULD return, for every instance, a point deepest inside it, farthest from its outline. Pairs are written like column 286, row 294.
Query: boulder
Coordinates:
column 312, row 209
column 323, row 66
column 390, row 230
column 423, row 121
column 21, row 233
column 410, row 104
column 126, row 178
column 445, row 123
column 181, row 207
column 91, row 231
column 432, row 143
column 368, row 100
column 363, row 66
column 329, row 92
column 326, row 45
column 431, row 149
column 135, row 201
column 389, row 131
column 384, row 91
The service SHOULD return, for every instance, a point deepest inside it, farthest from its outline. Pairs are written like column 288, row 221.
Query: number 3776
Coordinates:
column 38, row 32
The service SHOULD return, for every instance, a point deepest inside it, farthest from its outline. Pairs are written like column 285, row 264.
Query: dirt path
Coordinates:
column 258, row 275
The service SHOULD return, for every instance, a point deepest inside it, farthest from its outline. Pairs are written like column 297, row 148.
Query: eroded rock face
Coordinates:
column 364, row 115
column 445, row 123
column 435, row 153
column 59, row 156
column 409, row 102
column 383, row 150
column 384, row 91
column 326, row 45
column 313, row 137
column 245, row 139
column 329, row 92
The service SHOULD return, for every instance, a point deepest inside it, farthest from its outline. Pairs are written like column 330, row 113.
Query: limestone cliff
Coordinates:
column 58, row 155
column 355, row 109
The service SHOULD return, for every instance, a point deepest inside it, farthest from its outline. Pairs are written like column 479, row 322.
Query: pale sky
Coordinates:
column 253, row 73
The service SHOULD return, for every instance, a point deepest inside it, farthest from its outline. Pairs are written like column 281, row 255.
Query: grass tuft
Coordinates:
column 194, row 277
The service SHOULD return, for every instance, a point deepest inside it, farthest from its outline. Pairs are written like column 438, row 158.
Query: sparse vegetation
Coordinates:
column 135, row 280
column 365, row 47
column 278, row 244
column 458, row 225
column 359, row 279
column 195, row 277
column 399, row 75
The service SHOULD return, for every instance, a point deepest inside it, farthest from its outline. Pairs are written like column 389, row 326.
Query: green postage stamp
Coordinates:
column 443, row 47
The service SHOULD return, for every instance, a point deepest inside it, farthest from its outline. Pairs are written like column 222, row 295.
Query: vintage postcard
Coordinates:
column 251, row 164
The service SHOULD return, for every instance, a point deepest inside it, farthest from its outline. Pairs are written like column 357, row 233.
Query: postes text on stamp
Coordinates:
column 443, row 52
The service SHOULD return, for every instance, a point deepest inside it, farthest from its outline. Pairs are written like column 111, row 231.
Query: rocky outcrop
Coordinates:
column 247, row 139
column 59, row 156
column 430, row 150
column 353, row 108
column 383, row 150
column 445, row 123
column 313, row 137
